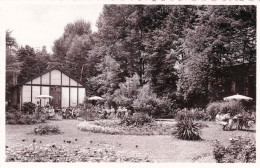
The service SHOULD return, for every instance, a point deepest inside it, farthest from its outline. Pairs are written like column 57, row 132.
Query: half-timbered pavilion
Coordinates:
column 65, row 90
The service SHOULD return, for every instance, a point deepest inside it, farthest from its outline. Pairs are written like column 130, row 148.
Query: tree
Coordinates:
column 71, row 50
column 29, row 67
column 122, row 33
column 13, row 66
column 127, row 92
column 108, row 80
column 214, row 44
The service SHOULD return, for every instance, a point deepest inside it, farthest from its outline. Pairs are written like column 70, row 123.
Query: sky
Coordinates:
column 40, row 25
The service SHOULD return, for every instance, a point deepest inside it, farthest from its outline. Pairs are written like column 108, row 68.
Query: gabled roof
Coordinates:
column 49, row 70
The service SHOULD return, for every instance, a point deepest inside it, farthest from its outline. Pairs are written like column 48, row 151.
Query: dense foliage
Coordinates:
column 195, row 113
column 240, row 150
column 232, row 107
column 28, row 107
column 149, row 103
column 180, row 51
column 136, row 121
column 66, row 153
column 187, row 129
column 46, row 130
column 14, row 117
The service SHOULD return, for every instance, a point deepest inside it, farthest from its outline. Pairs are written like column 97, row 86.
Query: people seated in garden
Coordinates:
column 47, row 105
column 51, row 112
column 225, row 120
column 38, row 107
column 63, row 112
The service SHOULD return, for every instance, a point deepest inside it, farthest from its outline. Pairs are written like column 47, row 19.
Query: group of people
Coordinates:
column 243, row 119
column 106, row 112
column 47, row 109
column 74, row 112
column 70, row 112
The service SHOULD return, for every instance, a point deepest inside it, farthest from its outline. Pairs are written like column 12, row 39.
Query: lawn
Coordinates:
column 158, row 148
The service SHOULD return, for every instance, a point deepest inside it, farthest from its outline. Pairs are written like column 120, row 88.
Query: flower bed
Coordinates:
column 66, row 153
column 46, row 130
column 14, row 117
column 240, row 150
column 114, row 127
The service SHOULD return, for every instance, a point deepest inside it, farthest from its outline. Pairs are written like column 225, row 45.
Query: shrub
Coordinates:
column 147, row 102
column 127, row 92
column 46, row 130
column 17, row 117
column 89, row 114
column 11, row 110
column 195, row 113
column 240, row 150
column 188, row 130
column 136, row 121
column 28, row 108
column 232, row 107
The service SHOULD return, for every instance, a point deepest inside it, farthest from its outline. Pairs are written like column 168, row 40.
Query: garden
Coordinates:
column 192, row 135
column 154, row 78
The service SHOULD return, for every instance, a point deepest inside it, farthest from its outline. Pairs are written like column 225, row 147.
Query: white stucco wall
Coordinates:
column 65, row 80
column 26, row 93
column 36, row 80
column 73, row 97
column 55, row 77
column 81, row 95
column 65, row 97
column 35, row 93
column 73, row 82
column 46, row 79
column 45, row 91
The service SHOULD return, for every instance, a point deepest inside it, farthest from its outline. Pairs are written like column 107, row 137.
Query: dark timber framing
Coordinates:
column 77, row 94
column 49, row 83
column 69, row 92
column 21, row 99
column 52, row 85
column 31, row 90
column 41, row 89
column 40, row 84
column 61, row 89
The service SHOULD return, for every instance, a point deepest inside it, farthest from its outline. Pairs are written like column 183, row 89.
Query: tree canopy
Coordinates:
column 179, row 51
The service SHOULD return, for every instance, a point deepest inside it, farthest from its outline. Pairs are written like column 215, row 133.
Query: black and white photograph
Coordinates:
column 129, row 82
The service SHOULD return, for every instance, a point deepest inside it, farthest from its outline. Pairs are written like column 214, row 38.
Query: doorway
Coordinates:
column 55, row 92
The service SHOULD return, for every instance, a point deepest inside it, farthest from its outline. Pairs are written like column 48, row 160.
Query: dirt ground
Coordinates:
column 159, row 148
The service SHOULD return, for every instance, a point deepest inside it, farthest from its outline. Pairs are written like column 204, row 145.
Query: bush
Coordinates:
column 46, row 130
column 17, row 117
column 28, row 108
column 147, row 102
column 89, row 114
column 232, row 107
column 127, row 92
column 188, row 130
column 195, row 113
column 136, row 121
column 240, row 150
